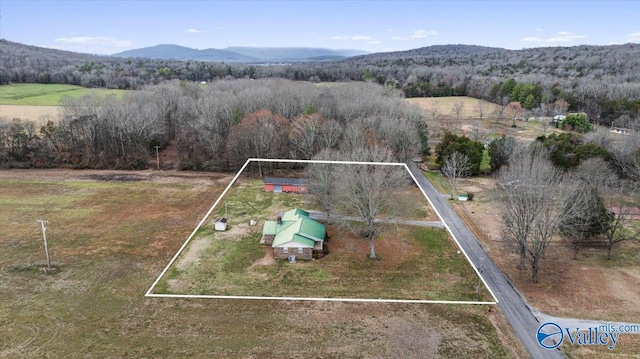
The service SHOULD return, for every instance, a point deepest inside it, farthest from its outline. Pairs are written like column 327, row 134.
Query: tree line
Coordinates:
column 602, row 81
column 576, row 186
column 217, row 126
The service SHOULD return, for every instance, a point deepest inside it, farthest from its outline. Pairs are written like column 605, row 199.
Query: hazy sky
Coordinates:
column 106, row 27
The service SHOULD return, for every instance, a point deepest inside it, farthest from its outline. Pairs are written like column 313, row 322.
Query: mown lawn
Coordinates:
column 417, row 262
column 47, row 94
column 111, row 239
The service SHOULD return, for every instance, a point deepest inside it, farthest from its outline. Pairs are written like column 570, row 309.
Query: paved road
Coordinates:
column 513, row 305
column 410, row 222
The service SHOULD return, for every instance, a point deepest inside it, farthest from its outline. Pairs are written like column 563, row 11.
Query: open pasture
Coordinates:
column 111, row 233
column 46, row 94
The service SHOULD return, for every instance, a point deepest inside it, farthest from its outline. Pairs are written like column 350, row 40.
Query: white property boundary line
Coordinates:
column 360, row 300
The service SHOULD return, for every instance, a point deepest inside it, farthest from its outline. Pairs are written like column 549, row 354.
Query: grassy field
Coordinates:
column 445, row 105
column 112, row 233
column 469, row 123
column 418, row 263
column 46, row 94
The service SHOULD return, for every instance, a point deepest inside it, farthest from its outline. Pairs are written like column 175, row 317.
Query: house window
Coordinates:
column 299, row 250
column 285, row 250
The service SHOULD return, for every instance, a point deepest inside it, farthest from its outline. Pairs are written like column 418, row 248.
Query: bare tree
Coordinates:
column 588, row 219
column 618, row 229
column 457, row 108
column 481, row 108
column 304, row 135
column 323, row 181
column 597, row 173
column 533, row 202
column 514, row 110
column 560, row 107
column 626, row 156
column 455, row 166
column 499, row 110
column 330, row 134
column 364, row 190
column 401, row 138
column 434, row 110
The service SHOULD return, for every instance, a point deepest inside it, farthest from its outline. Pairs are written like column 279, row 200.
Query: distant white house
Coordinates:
column 558, row 118
column 620, row 130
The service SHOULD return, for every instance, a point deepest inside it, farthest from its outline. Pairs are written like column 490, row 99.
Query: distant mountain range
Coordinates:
column 241, row 54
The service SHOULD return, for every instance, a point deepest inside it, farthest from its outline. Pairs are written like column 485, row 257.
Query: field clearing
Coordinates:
column 47, row 94
column 469, row 123
column 446, row 105
column 111, row 233
column 417, row 263
column 37, row 114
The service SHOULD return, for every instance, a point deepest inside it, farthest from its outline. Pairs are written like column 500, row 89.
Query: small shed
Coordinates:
column 279, row 185
column 221, row 224
column 463, row 197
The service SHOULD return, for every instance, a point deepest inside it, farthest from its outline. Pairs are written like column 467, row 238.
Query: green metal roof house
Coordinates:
column 293, row 233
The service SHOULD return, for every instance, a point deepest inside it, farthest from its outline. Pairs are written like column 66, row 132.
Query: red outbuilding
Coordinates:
column 278, row 185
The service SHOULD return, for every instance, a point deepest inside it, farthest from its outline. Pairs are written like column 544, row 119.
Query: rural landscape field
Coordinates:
column 112, row 232
column 308, row 179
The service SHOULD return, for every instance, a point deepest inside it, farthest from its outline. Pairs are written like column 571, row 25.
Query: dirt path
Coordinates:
column 65, row 174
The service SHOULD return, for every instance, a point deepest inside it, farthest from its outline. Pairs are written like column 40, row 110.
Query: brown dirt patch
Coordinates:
column 264, row 261
column 391, row 246
column 191, row 255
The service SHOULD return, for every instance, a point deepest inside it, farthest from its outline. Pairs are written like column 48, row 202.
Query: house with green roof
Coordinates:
column 293, row 233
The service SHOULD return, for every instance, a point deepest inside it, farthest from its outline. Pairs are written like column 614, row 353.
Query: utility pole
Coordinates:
column 44, row 237
column 157, row 157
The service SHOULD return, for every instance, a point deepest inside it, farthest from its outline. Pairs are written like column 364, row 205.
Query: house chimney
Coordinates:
column 279, row 220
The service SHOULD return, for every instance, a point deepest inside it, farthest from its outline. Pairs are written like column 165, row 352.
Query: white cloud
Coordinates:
column 566, row 37
column 559, row 39
column 94, row 41
column 635, row 37
column 538, row 29
column 418, row 34
column 361, row 38
column 352, row 38
column 391, row 30
column 531, row 39
column 194, row 31
column 373, row 42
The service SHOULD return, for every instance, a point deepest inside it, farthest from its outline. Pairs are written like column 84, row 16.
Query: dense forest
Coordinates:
column 218, row 126
column 602, row 81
